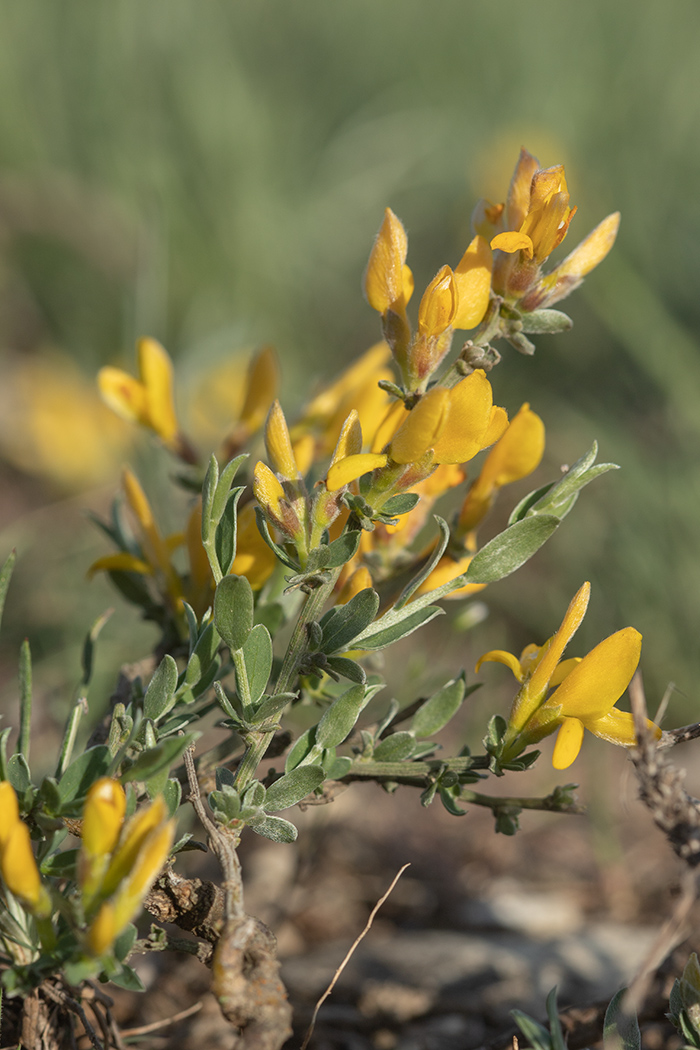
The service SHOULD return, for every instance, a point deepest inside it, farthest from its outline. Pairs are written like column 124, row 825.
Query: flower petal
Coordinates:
column 473, row 280
column 617, row 727
column 569, row 625
column 420, row 430
column 468, row 419
column 513, row 242
column 352, row 467
column 499, row 656
column 568, row 743
column 591, row 689
column 384, row 278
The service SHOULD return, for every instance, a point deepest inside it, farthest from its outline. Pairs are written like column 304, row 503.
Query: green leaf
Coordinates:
column 124, row 942
column 3, row 752
column 233, row 610
column 512, row 548
column 271, row 707
column 558, row 1041
column 257, row 656
column 89, row 644
column 129, row 979
column 226, row 530
column 396, row 624
column 339, row 768
column 275, row 828
column 160, row 695
column 172, row 793
column 343, row 549
column 620, row 1030
column 339, row 720
column 202, row 655
column 5, row 576
column 293, row 787
column 347, row 668
column 83, row 772
column 220, row 499
column 439, row 709
column 533, row 1032
column 546, row 322
column 157, row 758
column 401, row 504
column 395, row 748
column 61, row 865
column 430, row 564
column 558, row 498
column 25, row 699
column 343, row 623
column 275, row 547
column 211, row 480
column 302, row 748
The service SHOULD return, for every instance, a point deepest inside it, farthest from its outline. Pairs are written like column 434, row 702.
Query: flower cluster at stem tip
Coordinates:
column 373, row 436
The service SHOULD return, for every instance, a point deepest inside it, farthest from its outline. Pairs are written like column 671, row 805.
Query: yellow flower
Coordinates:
column 135, row 865
column 513, row 457
column 586, row 694
column 103, row 817
column 147, row 400
column 454, row 424
column 388, row 285
column 262, row 382
column 447, row 569
column 526, row 230
column 279, row 444
column 17, row 862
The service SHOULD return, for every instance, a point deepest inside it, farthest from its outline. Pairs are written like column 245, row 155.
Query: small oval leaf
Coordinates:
column 233, row 611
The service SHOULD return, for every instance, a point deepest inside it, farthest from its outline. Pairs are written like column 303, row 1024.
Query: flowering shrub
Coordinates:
column 299, row 567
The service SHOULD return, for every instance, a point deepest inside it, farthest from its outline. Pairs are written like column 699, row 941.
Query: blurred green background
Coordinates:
column 214, row 174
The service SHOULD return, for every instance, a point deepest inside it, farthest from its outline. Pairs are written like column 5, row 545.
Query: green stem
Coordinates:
column 258, row 743
column 25, row 699
column 413, row 774
column 549, row 802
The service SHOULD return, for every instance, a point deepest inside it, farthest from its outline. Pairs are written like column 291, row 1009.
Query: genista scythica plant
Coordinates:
column 299, row 568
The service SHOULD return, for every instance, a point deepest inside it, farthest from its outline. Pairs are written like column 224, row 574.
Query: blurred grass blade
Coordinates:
column 25, row 699
column 5, row 575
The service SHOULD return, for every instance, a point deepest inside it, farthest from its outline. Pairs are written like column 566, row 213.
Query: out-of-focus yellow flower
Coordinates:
column 147, row 400
column 103, row 817
column 17, row 862
column 156, row 550
column 513, row 457
column 358, row 581
column 140, row 854
column 586, row 694
column 54, row 425
column 261, row 386
column 254, row 559
column 447, row 569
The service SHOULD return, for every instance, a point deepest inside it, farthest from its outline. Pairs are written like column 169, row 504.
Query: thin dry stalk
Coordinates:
column 350, row 954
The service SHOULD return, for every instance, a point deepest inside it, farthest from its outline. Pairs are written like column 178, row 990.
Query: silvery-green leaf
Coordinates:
column 620, row 1030
column 340, row 551
column 339, row 768
column 343, row 623
column 275, row 828
column 157, row 758
column 439, row 709
column 233, row 610
column 401, row 504
column 226, row 532
column 293, row 787
column 271, row 707
column 160, row 695
column 512, row 548
column 430, row 564
column 395, row 748
column 396, row 624
column 257, row 656
column 546, row 322
column 339, row 719
column 172, row 793
column 223, row 486
column 211, row 479
column 347, row 668
column 82, row 773
column 302, row 748
column 202, row 655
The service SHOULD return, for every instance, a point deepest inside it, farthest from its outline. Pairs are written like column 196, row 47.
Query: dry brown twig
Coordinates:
column 677, row 814
column 349, row 955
